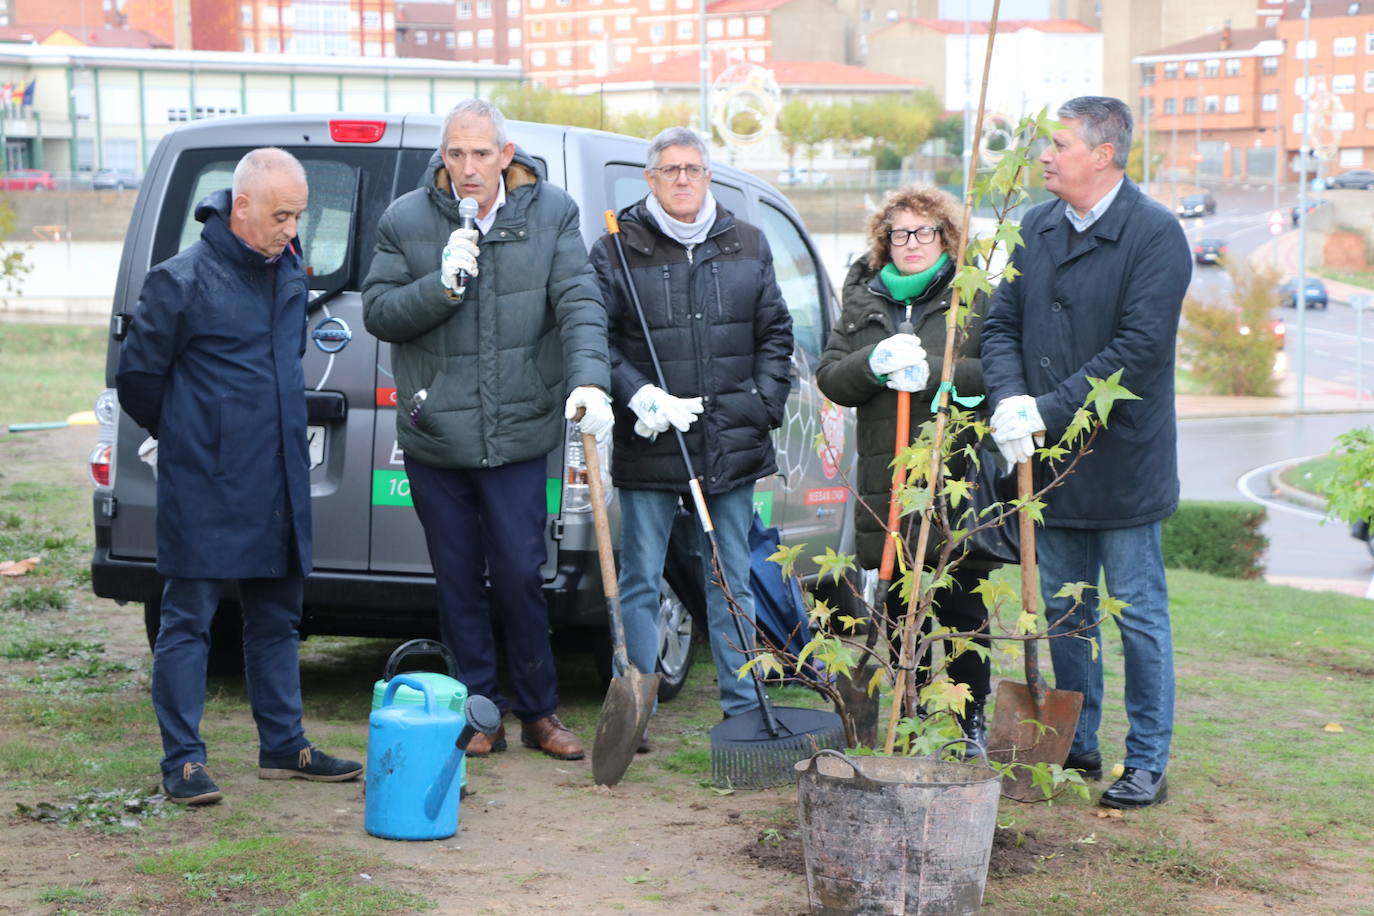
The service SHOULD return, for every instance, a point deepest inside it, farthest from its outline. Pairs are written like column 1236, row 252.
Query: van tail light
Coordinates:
column 99, row 464
column 356, row 131
column 576, row 493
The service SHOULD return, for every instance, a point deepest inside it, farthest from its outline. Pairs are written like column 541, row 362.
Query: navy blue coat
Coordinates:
column 212, row 367
column 1113, row 303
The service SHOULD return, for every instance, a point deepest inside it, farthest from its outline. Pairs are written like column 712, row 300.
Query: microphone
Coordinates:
column 467, row 219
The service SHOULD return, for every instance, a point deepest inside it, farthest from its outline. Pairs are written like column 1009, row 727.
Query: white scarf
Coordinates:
column 689, row 234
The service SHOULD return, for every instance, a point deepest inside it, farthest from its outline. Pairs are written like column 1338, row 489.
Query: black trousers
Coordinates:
column 491, row 519
column 960, row 609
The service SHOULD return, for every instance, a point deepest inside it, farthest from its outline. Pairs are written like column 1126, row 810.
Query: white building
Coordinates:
column 1036, row 63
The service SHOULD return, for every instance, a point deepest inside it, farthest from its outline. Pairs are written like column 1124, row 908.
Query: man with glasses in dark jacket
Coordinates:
column 1100, row 286
column 724, row 338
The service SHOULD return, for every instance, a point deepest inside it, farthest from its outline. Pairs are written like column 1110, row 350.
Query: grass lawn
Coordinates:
column 49, row 372
column 1310, row 475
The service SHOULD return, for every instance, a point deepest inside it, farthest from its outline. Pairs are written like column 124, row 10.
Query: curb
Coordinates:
column 1289, row 493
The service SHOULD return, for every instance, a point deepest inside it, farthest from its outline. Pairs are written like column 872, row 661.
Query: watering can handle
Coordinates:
column 411, row 682
column 420, row 647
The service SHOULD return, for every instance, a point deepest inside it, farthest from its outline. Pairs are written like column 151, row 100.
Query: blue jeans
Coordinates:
column 1133, row 565
column 646, row 521
column 271, row 637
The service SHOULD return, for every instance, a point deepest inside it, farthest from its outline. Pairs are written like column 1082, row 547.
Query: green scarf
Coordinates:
column 905, row 287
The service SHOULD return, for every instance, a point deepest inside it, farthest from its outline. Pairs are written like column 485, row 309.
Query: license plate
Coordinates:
column 314, row 437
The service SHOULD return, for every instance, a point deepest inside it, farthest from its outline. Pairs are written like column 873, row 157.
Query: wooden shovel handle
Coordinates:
column 1025, row 486
column 894, row 508
column 610, row 582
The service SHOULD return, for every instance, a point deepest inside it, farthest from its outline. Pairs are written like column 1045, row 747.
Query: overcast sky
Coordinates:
column 982, row 9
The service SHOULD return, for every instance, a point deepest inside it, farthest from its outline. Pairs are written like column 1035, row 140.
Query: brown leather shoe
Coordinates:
column 483, row 744
column 551, row 736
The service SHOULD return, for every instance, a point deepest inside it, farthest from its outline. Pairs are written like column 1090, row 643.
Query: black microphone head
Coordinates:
column 467, row 208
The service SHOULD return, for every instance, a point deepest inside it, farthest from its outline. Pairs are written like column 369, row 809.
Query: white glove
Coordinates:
column 896, row 352
column 460, row 254
column 912, row 378
column 147, row 453
column 657, row 410
column 597, row 418
column 1015, row 421
column 1015, row 417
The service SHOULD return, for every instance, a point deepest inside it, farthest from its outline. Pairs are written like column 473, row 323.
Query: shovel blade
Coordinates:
column 1015, row 736
column 624, row 717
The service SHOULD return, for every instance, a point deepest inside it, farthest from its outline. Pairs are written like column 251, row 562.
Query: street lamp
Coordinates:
column 1304, row 151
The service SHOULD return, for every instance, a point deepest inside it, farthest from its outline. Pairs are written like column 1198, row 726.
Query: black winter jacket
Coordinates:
column 844, row 376
column 721, row 331
column 212, row 368
column 1112, row 303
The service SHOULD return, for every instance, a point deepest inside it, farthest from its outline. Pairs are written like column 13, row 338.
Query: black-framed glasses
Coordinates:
column 924, row 234
column 670, row 172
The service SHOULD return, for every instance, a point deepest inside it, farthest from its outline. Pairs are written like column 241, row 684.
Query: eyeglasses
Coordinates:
column 924, row 234
column 670, row 172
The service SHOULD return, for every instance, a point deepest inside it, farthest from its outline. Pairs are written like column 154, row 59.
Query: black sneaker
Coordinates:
column 192, row 786
column 309, row 763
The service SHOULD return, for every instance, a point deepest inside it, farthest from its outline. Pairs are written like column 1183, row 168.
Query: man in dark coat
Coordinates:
column 493, row 347
column 1101, row 282
column 211, row 367
column 723, row 336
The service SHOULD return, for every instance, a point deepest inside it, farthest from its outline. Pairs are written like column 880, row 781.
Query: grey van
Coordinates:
column 372, row 575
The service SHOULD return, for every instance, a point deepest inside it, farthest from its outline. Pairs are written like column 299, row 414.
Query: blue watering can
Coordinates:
column 413, row 755
column 449, row 692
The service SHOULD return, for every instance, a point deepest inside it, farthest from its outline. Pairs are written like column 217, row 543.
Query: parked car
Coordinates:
column 802, row 175
column 1355, row 178
column 372, row 573
column 1210, row 251
column 1312, row 204
column 114, row 180
column 27, row 180
column 1203, row 204
column 1315, row 290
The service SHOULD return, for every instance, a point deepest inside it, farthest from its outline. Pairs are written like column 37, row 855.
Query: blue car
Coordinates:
column 1315, row 289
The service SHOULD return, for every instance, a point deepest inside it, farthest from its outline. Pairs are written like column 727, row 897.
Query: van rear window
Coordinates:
column 325, row 227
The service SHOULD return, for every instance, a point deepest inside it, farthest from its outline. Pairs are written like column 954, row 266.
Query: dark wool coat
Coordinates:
column 498, row 363
column 212, row 367
column 844, row 376
column 721, row 331
column 1113, row 303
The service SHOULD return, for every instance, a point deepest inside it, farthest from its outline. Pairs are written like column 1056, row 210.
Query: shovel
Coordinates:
column 630, row 697
column 1031, row 723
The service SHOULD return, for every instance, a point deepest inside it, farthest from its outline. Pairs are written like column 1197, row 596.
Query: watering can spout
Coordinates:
column 480, row 715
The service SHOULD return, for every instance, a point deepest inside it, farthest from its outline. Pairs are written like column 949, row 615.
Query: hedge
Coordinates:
column 1221, row 538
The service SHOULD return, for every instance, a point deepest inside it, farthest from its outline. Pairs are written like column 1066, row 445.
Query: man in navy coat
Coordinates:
column 1102, row 277
column 211, row 367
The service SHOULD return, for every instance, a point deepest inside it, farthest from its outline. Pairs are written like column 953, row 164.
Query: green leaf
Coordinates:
column 786, row 557
column 1103, row 393
column 833, row 564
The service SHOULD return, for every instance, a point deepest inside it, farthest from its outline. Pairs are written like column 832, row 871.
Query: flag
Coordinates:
column 28, row 92
column 5, row 93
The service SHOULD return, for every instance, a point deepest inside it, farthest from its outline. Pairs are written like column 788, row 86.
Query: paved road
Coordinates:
column 1230, row 458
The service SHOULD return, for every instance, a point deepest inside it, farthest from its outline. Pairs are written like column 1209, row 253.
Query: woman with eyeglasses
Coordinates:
column 904, row 278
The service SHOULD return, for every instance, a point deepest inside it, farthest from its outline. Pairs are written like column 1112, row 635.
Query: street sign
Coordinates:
column 1276, row 221
column 1359, row 302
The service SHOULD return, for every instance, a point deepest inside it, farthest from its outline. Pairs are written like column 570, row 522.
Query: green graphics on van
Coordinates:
column 392, row 488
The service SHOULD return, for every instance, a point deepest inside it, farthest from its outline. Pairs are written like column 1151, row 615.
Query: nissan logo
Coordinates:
column 332, row 335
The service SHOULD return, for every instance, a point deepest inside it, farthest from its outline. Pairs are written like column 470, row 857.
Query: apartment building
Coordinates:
column 477, row 31
column 570, row 41
column 334, row 28
column 1223, row 105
